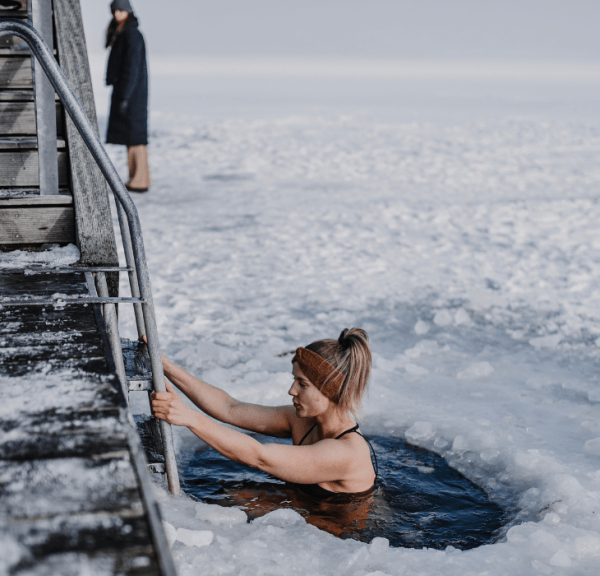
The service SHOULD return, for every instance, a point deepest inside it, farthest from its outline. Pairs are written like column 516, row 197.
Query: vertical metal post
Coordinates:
column 129, row 259
column 40, row 16
column 146, row 325
column 112, row 330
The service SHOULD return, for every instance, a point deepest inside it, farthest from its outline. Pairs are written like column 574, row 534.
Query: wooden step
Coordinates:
column 18, row 117
column 19, row 168
column 37, row 224
column 8, row 143
column 13, row 9
column 38, row 200
column 22, row 196
column 15, row 72
column 19, row 96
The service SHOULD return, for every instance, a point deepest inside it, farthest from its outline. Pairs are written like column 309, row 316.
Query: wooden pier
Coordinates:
column 75, row 492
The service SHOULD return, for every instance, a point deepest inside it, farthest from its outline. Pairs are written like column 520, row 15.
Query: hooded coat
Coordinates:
column 127, row 72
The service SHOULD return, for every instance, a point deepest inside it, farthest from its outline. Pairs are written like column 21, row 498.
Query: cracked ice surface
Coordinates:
column 470, row 254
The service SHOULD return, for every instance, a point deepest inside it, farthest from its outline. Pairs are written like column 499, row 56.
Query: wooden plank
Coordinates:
column 24, row 193
column 71, row 487
column 15, row 72
column 20, row 168
column 11, row 41
column 16, row 369
column 18, row 118
column 127, row 560
column 52, row 435
column 95, row 234
column 25, row 143
column 58, row 200
column 50, row 490
column 13, row 8
column 89, row 533
column 37, row 225
column 18, row 96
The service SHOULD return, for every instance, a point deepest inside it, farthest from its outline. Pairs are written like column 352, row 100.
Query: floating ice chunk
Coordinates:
column 196, row 538
column 442, row 318
column 460, row 444
column 551, row 519
column 587, row 546
column 440, row 443
column 416, row 370
column 516, row 535
column 537, row 382
column 379, row 546
column 354, row 562
column 545, row 543
column 560, row 559
column 592, row 446
column 216, row 514
column 12, row 552
column 594, row 395
column 425, row 469
column 546, row 342
column 489, row 455
column 170, row 532
column 380, row 573
column 283, row 518
column 423, row 347
column 422, row 328
column 420, row 432
column 538, row 463
column 383, row 364
column 476, row 371
column 462, row 318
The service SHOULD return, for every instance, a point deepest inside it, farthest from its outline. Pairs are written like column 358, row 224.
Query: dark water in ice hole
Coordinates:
column 419, row 500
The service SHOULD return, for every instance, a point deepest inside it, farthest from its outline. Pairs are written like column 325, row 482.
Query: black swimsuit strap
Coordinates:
column 304, row 437
column 354, row 429
column 374, row 457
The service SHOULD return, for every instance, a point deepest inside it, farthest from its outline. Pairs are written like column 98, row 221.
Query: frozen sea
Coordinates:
column 456, row 220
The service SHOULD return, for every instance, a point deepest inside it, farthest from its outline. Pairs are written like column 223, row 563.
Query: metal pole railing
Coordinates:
column 92, row 141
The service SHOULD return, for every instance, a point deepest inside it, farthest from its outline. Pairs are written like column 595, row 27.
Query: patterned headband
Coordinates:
column 321, row 373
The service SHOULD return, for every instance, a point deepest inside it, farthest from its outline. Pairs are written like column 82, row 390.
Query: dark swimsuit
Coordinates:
column 317, row 491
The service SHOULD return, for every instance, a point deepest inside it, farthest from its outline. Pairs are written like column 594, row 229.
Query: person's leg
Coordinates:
column 131, row 163
column 139, row 171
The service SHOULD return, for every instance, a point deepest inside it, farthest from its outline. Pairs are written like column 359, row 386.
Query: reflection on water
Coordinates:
column 419, row 500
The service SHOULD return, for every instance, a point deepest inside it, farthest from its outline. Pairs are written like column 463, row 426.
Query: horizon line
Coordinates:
column 367, row 68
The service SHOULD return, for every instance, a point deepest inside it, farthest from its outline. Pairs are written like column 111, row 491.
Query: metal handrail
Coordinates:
column 131, row 234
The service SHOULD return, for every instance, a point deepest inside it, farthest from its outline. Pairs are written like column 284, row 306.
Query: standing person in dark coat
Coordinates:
column 128, row 74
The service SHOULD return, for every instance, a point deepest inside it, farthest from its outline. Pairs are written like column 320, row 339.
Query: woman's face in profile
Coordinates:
column 308, row 399
column 120, row 15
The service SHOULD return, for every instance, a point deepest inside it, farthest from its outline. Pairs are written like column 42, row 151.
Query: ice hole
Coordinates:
column 419, row 501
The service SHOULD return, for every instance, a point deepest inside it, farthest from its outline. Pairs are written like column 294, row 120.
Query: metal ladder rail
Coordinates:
column 131, row 233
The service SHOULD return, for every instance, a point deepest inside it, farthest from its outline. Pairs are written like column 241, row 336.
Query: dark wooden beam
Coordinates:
column 94, row 228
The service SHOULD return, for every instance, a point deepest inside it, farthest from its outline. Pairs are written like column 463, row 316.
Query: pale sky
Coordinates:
column 549, row 30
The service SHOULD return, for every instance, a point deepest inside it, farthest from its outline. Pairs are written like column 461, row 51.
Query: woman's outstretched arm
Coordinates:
column 326, row 461
column 269, row 420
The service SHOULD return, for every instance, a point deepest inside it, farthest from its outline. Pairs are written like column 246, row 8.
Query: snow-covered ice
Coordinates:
column 466, row 247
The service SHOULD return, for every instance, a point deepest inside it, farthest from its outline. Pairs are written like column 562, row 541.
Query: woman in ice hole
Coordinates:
column 329, row 455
